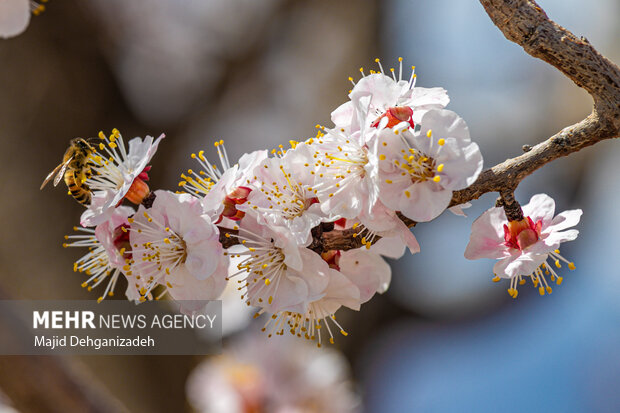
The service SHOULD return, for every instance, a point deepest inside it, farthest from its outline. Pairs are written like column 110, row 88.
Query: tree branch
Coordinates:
column 508, row 174
column 525, row 23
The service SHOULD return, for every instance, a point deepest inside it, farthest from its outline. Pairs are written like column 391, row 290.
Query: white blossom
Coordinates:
column 418, row 171
column 277, row 376
column 282, row 194
column 390, row 100
column 118, row 173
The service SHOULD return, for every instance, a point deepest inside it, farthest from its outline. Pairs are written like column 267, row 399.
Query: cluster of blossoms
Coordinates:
column 279, row 376
column 394, row 151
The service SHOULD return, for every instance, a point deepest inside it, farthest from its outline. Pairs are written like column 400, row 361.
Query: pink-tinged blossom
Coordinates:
column 282, row 195
column 524, row 247
column 175, row 246
column 391, row 100
column 278, row 376
column 418, row 171
column 222, row 189
column 109, row 249
column 114, row 236
column 118, row 173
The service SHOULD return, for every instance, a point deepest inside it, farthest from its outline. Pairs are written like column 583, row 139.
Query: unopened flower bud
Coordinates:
column 238, row 196
column 137, row 191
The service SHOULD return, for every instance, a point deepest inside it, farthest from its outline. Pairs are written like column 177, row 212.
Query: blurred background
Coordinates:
column 258, row 73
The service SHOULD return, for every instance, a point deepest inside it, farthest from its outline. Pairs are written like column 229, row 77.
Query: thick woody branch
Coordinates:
column 525, row 23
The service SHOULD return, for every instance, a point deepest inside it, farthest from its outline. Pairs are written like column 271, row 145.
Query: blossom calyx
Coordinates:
column 523, row 233
column 394, row 116
column 238, row 196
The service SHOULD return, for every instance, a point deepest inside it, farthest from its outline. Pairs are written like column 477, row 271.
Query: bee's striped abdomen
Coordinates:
column 79, row 191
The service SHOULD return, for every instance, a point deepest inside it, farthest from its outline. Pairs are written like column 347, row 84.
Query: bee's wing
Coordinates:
column 59, row 171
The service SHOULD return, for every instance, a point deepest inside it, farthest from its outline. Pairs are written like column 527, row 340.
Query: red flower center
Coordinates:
column 395, row 115
column 521, row 234
column 121, row 240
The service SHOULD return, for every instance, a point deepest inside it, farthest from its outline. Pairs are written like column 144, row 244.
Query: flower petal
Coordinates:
column 487, row 236
column 367, row 270
column 564, row 220
column 426, row 202
column 518, row 264
column 540, row 207
column 14, row 17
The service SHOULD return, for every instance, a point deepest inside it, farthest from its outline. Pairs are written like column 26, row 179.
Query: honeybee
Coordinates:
column 75, row 169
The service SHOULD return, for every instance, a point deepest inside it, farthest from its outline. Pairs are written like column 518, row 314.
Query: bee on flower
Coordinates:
column 527, row 246
column 118, row 173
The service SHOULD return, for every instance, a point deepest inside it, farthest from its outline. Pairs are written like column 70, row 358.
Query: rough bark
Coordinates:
column 525, row 23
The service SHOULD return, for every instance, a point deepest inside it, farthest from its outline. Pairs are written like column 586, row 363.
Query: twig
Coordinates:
column 50, row 383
